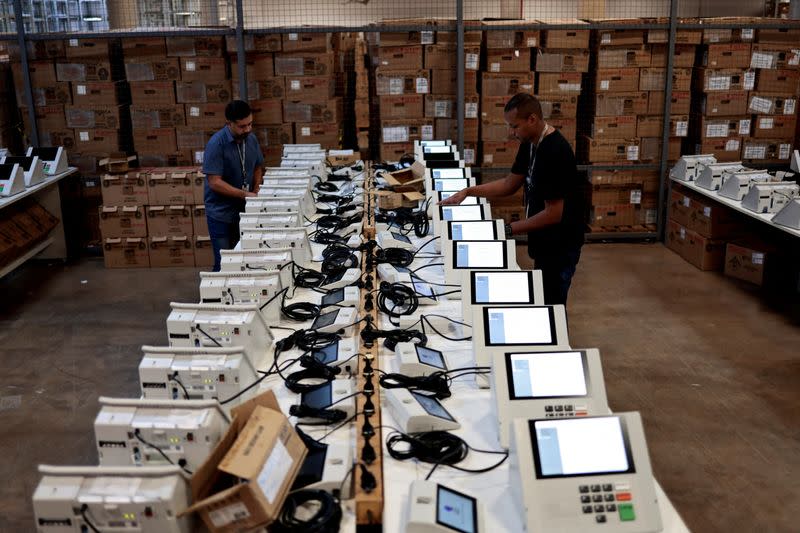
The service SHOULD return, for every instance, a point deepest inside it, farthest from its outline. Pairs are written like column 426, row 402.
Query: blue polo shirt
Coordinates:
column 222, row 157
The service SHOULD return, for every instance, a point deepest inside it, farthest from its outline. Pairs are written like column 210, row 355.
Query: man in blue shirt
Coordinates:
column 234, row 170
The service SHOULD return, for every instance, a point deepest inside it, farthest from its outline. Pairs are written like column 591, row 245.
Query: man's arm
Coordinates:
column 550, row 215
column 258, row 178
column 220, row 186
column 504, row 187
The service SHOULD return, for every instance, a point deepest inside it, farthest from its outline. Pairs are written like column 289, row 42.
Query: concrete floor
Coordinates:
column 714, row 372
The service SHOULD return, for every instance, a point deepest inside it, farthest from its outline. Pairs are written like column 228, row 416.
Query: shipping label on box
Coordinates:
column 126, row 252
column 164, row 220
column 122, row 221
column 772, row 104
column 726, row 79
column 403, row 131
column 612, row 150
column 562, row 82
column 728, row 149
column 396, row 83
column 506, row 84
column 96, row 140
column 561, row 61
column 617, row 80
column 774, row 56
column 440, row 106
column 171, row 251
column 205, row 116
column 153, row 70
column 776, row 126
column 717, row 128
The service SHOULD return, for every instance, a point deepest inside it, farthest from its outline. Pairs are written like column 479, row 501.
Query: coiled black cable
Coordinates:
column 396, row 299
column 328, row 416
column 437, row 383
column 397, row 257
column 325, row 520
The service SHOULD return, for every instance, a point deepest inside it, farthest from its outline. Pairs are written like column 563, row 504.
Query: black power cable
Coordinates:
column 326, row 519
column 181, row 462
column 88, row 522
column 396, row 299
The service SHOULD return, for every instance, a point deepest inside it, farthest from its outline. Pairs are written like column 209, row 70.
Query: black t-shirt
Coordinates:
column 554, row 175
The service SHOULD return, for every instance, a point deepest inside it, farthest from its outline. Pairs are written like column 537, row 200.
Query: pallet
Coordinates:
column 636, row 228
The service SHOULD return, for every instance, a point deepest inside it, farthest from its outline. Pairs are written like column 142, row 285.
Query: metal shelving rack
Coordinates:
column 180, row 16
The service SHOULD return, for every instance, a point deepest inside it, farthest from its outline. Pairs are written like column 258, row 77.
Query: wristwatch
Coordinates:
column 508, row 231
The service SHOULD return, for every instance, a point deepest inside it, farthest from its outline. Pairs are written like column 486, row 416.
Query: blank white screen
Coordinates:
column 439, row 173
column 481, row 230
column 450, row 185
column 551, row 374
column 465, row 212
column 469, row 200
column 587, row 446
column 508, row 287
column 523, row 325
column 488, row 254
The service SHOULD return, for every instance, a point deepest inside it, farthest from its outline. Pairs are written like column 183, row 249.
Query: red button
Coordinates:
column 623, row 496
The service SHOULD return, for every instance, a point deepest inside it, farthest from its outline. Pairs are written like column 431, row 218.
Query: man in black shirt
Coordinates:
column 554, row 195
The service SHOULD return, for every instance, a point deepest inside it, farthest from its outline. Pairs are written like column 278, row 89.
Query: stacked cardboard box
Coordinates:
column 624, row 199
column 775, row 63
column 363, row 103
column 22, row 226
column 561, row 67
column 154, row 217
column 723, row 79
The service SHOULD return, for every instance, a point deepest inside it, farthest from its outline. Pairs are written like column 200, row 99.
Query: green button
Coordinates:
column 626, row 513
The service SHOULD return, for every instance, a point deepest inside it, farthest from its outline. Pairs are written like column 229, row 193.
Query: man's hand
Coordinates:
column 250, row 194
column 455, row 199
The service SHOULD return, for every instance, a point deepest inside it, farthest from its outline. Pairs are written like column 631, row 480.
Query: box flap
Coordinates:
column 255, row 442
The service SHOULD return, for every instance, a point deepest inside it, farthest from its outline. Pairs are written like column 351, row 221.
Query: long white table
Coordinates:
column 766, row 218
column 48, row 195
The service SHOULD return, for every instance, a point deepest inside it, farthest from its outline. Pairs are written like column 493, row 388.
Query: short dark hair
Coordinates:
column 237, row 110
column 525, row 104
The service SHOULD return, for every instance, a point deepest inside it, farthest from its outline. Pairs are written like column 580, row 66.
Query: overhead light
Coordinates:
column 92, row 19
column 186, row 13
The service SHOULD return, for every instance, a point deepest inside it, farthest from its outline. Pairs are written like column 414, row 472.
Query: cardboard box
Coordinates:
column 122, row 221
column 104, row 117
column 447, row 128
column 167, row 220
column 144, row 69
column 167, row 116
column 259, row 67
column 96, row 140
column 149, row 47
column 492, row 109
column 255, row 43
column 399, row 58
column 711, row 219
column 508, row 60
column 198, row 92
column 171, row 186
column 37, row 50
column 443, row 57
column 572, row 38
column 617, row 80
column 615, row 104
column 260, row 89
column 43, row 73
column 492, row 132
column 704, row 253
column 775, row 126
column 681, row 206
column 727, row 55
column 329, row 135
column 785, row 36
column 402, row 106
column 767, row 150
column 632, row 56
column 55, row 138
column 650, row 149
column 654, row 79
column 274, row 135
column 155, row 141
column 782, row 81
column 50, row 117
column 394, row 83
column 394, row 151
column 724, row 103
column 680, row 103
column 772, row 104
column 615, row 127
column 307, row 42
column 58, row 93
column 203, row 251
column 199, row 220
column 144, row 93
column 500, row 154
column 506, row 84
column 550, row 60
column 559, row 105
column 510, row 38
column 683, row 57
column 260, row 444
column 441, row 106
column 615, row 215
column 619, row 36
column 316, row 89
column 559, row 83
column 200, row 46
column 269, row 111
column 653, row 126
column 748, row 260
column 174, row 159
column 303, row 64
column 775, row 56
column 89, row 70
column 406, row 130
column 471, row 38
column 445, row 82
column 99, row 93
column 612, row 150
column 88, row 48
column 205, row 116
column 330, row 111
column 682, row 36
column 727, row 149
column 407, row 179
column 126, row 252
column 723, row 127
column 198, row 189
column 204, row 69
column 731, row 79
column 192, row 139
column 171, row 251
column 568, row 128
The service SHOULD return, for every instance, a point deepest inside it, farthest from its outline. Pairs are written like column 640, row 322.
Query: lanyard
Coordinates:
column 529, row 177
column 242, row 151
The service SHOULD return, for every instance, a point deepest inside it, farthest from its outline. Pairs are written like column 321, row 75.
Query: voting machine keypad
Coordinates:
column 601, row 499
column 564, row 410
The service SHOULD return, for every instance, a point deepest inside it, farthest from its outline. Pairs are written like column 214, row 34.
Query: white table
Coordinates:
column 48, row 195
column 766, row 218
